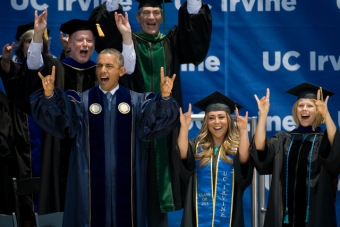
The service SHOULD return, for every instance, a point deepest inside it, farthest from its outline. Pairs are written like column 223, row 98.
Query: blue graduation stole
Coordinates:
column 214, row 204
column 124, row 175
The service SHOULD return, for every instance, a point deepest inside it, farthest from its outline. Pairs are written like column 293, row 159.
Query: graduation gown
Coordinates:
column 187, row 42
column 54, row 151
column 105, row 200
column 6, row 153
column 27, row 134
column 325, row 167
column 243, row 174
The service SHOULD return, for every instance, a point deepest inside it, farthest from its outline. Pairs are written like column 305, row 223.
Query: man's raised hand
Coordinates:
column 48, row 82
column 166, row 83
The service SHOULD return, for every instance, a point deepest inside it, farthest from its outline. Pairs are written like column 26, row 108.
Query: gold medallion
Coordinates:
column 124, row 108
column 95, row 108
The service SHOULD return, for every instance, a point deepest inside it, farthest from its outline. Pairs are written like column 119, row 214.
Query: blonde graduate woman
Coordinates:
column 303, row 163
column 215, row 165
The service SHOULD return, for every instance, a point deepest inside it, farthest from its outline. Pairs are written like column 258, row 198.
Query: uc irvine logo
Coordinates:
column 24, row 5
column 65, row 5
column 317, row 62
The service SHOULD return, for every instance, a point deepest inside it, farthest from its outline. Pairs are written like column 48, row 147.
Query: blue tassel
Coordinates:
column 307, row 215
column 286, row 219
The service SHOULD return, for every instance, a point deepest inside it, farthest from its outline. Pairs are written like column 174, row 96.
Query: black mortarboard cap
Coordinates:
column 217, row 101
column 26, row 27
column 152, row 3
column 22, row 29
column 75, row 25
column 306, row 90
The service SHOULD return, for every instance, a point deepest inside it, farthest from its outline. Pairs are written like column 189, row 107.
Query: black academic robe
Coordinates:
column 66, row 117
column 55, row 152
column 187, row 42
column 243, row 175
column 27, row 135
column 325, row 167
column 6, row 153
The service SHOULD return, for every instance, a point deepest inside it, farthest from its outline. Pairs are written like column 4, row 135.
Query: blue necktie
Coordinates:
column 109, row 98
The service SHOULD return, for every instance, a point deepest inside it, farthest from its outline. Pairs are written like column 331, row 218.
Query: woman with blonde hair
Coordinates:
column 303, row 163
column 215, row 164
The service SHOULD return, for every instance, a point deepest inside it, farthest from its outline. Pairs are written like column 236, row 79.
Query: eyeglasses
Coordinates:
column 147, row 13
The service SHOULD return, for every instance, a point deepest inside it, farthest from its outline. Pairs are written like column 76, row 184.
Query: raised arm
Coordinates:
column 166, row 84
column 124, row 27
column 48, row 83
column 183, row 135
column 323, row 109
column 128, row 50
column 6, row 57
column 34, row 58
column 104, row 16
column 194, row 6
column 193, row 33
column 260, row 132
column 160, row 114
column 242, row 125
column 64, row 43
column 54, row 110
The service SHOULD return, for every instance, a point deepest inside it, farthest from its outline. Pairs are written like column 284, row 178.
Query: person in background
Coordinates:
column 6, row 155
column 26, row 154
column 106, row 181
column 215, row 165
column 76, row 72
column 187, row 42
column 303, row 163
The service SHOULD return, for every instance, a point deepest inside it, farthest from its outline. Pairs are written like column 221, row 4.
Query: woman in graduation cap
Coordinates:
column 303, row 163
column 215, row 164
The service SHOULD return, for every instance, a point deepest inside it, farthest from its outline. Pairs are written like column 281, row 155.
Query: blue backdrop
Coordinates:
column 256, row 44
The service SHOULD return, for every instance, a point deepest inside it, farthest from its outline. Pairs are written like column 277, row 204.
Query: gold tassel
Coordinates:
column 100, row 32
column 46, row 34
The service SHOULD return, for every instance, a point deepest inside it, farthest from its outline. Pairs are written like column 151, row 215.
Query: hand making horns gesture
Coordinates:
column 124, row 27
column 48, row 82
column 263, row 103
column 166, row 83
column 321, row 105
column 185, row 118
column 241, row 122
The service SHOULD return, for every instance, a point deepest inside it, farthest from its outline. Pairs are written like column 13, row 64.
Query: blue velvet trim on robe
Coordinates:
column 307, row 129
column 124, row 161
column 150, row 95
column 73, row 95
column 124, row 179
column 35, row 134
column 97, row 160
column 2, row 88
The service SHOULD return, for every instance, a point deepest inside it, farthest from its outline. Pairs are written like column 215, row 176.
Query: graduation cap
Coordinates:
column 152, row 3
column 26, row 27
column 75, row 25
column 306, row 90
column 217, row 101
